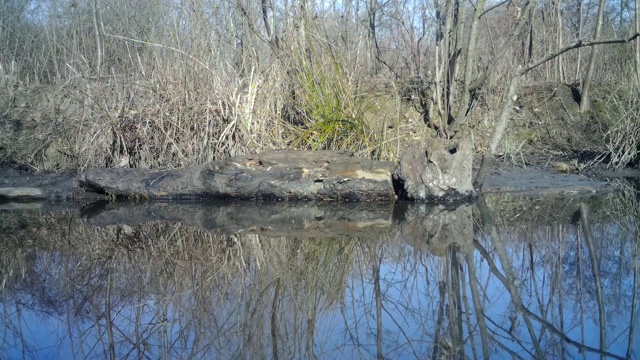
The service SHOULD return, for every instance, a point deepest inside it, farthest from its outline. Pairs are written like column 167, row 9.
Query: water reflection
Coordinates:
column 505, row 278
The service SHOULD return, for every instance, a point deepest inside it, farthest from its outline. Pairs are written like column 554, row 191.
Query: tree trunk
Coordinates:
column 375, row 49
column 437, row 70
column 269, row 22
column 559, row 45
column 586, row 86
column 96, row 30
column 580, row 24
column 501, row 126
column 638, row 42
column 470, row 58
column 456, row 125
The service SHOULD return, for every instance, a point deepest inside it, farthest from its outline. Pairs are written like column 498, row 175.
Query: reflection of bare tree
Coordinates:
column 632, row 227
column 509, row 279
column 477, row 307
column 595, row 268
column 536, row 321
column 434, row 289
column 438, row 331
column 375, row 269
column 275, row 305
column 107, row 313
column 634, row 301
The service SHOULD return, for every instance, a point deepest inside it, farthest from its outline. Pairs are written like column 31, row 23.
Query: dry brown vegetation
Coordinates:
column 166, row 84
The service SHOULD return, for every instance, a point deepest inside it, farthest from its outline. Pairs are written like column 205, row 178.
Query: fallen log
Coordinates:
column 274, row 175
column 434, row 171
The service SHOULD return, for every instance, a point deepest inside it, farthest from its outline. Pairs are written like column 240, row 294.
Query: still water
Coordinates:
column 507, row 277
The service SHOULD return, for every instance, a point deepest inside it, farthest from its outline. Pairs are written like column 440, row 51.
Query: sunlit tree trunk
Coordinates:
column 586, row 87
column 373, row 38
column 446, row 62
column 96, row 29
column 559, row 42
column 498, row 132
column 580, row 25
column 440, row 29
column 637, row 11
column 456, row 124
column 269, row 18
column 470, row 57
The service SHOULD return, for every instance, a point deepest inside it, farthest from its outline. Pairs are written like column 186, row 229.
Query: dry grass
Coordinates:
column 161, row 121
column 160, row 86
column 548, row 126
column 619, row 116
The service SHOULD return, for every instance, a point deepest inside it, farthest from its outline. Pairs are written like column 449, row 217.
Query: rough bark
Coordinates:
column 437, row 169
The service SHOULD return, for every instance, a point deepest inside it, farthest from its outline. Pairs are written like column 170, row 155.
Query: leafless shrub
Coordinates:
column 622, row 134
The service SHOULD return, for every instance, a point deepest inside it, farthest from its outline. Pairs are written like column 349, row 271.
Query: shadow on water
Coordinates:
column 507, row 277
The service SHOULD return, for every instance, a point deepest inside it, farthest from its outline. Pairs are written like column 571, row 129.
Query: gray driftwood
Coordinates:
column 274, row 175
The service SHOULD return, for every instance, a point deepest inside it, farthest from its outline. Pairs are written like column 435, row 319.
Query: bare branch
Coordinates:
column 503, row 50
column 576, row 45
column 494, row 7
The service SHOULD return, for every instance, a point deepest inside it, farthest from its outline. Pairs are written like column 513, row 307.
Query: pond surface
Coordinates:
column 507, row 277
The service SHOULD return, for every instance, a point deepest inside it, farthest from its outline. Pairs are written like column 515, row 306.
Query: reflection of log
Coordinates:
column 272, row 219
column 277, row 175
column 438, row 228
column 421, row 225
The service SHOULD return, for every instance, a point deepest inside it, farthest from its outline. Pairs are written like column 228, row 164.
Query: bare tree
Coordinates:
column 580, row 25
column 637, row 23
column 269, row 18
column 372, row 11
column 559, row 66
column 586, row 86
column 470, row 56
